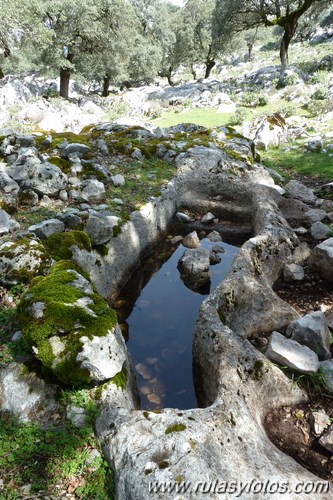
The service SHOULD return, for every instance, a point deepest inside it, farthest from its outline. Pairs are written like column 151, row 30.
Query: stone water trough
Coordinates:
column 224, row 440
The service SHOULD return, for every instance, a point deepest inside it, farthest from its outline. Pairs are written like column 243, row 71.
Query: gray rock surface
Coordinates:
column 194, row 267
column 300, row 192
column 293, row 272
column 118, row 180
column 100, row 228
column 91, row 191
column 290, row 353
column 26, row 395
column 103, row 357
column 327, row 440
column 46, row 179
column 320, row 421
column 314, row 215
column 22, row 260
column 319, row 231
column 47, row 227
column 207, row 218
column 321, row 259
column 326, row 370
column 312, row 331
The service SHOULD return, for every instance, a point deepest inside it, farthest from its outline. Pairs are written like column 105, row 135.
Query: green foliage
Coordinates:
column 238, row 117
column 320, row 94
column 46, row 457
column 253, row 99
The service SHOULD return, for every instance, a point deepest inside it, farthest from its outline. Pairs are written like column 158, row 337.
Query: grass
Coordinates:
column 207, row 117
column 51, row 460
column 294, row 161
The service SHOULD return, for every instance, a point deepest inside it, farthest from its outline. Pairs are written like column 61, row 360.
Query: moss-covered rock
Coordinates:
column 70, row 327
column 22, row 260
column 59, row 245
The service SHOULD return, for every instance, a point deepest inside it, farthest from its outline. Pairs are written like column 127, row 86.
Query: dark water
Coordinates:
column 157, row 313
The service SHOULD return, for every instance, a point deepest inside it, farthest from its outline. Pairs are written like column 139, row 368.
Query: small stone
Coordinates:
column 319, row 231
column 326, row 370
column 183, row 217
column 214, row 236
column 218, row 249
column 207, row 218
column 214, row 258
column 327, row 440
column 118, row 180
column 300, row 231
column 320, row 421
column 145, row 389
column 191, row 240
column 77, row 416
column 312, row 331
column 293, row 272
column 17, row 336
column 154, row 398
column 117, row 201
column 46, row 228
column 289, row 352
column 176, row 239
column 144, row 371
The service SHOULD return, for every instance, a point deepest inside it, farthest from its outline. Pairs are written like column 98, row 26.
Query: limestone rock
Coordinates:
column 326, row 370
column 272, row 131
column 26, row 395
column 191, row 240
column 293, row 272
column 103, row 356
column 7, row 223
column 46, row 179
column 183, row 217
column 22, row 260
column 319, row 231
column 75, row 148
column 300, row 192
column 292, row 354
column 100, row 228
column 312, row 331
column 118, row 180
column 207, row 218
column 76, row 339
column 91, row 191
column 314, row 215
column 327, row 440
column 320, row 421
column 315, row 145
column 214, row 236
column 7, row 184
column 194, row 268
column 321, row 259
column 44, row 229
column 77, row 416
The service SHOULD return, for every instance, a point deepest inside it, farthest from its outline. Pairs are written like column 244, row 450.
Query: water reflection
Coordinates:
column 157, row 314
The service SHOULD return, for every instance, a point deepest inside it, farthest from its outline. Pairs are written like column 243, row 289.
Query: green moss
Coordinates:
column 59, row 245
column 103, row 250
column 116, row 230
column 175, row 428
column 61, row 163
column 61, row 317
column 257, row 370
column 120, row 379
column 163, row 465
column 221, row 315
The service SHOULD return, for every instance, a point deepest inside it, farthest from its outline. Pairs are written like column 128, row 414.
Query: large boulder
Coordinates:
column 46, row 178
column 300, row 192
column 70, row 328
column 321, row 259
column 22, row 260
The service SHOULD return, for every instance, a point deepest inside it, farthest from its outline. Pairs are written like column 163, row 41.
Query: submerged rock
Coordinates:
column 194, row 268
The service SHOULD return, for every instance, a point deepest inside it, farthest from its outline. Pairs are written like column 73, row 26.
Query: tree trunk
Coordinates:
column 250, row 51
column 2, row 74
column 169, row 77
column 285, row 42
column 65, row 74
column 193, row 72
column 209, row 66
column 106, row 85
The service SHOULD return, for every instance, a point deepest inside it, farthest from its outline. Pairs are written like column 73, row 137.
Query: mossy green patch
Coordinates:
column 64, row 317
column 103, row 250
column 175, row 428
column 61, row 163
column 59, row 245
